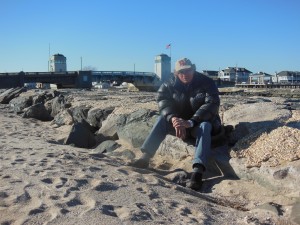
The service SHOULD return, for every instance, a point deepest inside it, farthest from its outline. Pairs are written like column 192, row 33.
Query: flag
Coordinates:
column 168, row 46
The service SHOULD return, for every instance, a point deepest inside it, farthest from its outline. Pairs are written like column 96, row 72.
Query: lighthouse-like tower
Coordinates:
column 58, row 63
column 162, row 67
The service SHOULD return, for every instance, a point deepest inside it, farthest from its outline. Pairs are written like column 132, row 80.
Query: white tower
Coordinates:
column 162, row 67
column 58, row 63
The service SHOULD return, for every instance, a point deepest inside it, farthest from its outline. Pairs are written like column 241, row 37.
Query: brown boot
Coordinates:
column 196, row 181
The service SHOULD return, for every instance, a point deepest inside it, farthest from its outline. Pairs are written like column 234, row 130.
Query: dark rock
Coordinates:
column 87, row 126
column 37, row 111
column 57, row 105
column 107, row 146
column 11, row 93
column 38, row 99
column 80, row 113
column 96, row 116
column 20, row 103
column 63, row 118
column 80, row 136
column 49, row 95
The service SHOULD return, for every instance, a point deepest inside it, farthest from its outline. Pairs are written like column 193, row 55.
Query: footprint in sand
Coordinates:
column 77, row 187
column 74, row 202
column 109, row 210
column 149, row 191
column 42, row 208
column 60, row 182
column 106, row 186
column 186, row 214
column 47, row 180
column 23, row 198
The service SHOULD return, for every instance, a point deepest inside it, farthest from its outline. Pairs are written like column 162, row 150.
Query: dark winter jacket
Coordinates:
column 198, row 101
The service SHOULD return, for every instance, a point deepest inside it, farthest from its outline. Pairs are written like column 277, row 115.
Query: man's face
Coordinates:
column 186, row 76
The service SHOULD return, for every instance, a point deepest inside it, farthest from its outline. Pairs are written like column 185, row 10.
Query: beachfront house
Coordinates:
column 287, row 77
column 260, row 78
column 234, row 74
column 211, row 73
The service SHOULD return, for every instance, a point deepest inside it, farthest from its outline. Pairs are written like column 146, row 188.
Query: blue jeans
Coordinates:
column 201, row 132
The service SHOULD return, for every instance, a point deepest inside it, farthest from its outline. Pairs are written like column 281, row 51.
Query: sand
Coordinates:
column 45, row 182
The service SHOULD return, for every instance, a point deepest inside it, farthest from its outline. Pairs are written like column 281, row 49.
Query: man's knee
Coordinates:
column 205, row 126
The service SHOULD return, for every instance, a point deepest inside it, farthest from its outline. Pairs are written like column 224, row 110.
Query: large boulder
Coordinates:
column 273, row 159
column 19, row 103
column 137, row 127
column 283, row 178
column 11, row 93
column 51, row 94
column 37, row 111
column 80, row 113
column 131, row 128
column 63, row 118
column 254, row 117
column 38, row 99
column 106, row 146
column 109, row 127
column 96, row 116
column 175, row 151
column 81, row 136
column 56, row 105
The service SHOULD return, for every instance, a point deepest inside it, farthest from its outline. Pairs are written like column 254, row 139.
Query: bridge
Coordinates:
column 79, row 79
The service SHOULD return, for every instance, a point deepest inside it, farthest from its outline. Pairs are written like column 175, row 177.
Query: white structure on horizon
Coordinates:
column 58, row 63
column 234, row 74
column 162, row 67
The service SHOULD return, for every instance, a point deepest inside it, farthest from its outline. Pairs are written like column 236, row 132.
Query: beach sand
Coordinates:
column 43, row 181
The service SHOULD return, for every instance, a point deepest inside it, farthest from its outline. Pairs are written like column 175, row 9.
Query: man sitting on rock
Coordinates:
column 189, row 105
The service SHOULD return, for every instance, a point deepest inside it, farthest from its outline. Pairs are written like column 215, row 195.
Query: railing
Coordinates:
column 39, row 73
column 274, row 85
column 50, row 73
column 123, row 73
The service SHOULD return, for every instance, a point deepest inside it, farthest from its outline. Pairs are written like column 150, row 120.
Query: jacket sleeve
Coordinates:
column 166, row 103
column 209, row 110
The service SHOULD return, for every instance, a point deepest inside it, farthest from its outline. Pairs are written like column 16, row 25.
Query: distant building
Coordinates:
column 287, row 77
column 58, row 63
column 234, row 74
column 260, row 78
column 162, row 67
column 210, row 73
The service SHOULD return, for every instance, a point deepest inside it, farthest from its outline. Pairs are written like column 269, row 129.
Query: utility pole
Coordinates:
column 49, row 58
column 81, row 63
column 236, row 75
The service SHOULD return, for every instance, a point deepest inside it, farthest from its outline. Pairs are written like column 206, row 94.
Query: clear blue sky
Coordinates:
column 260, row 35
